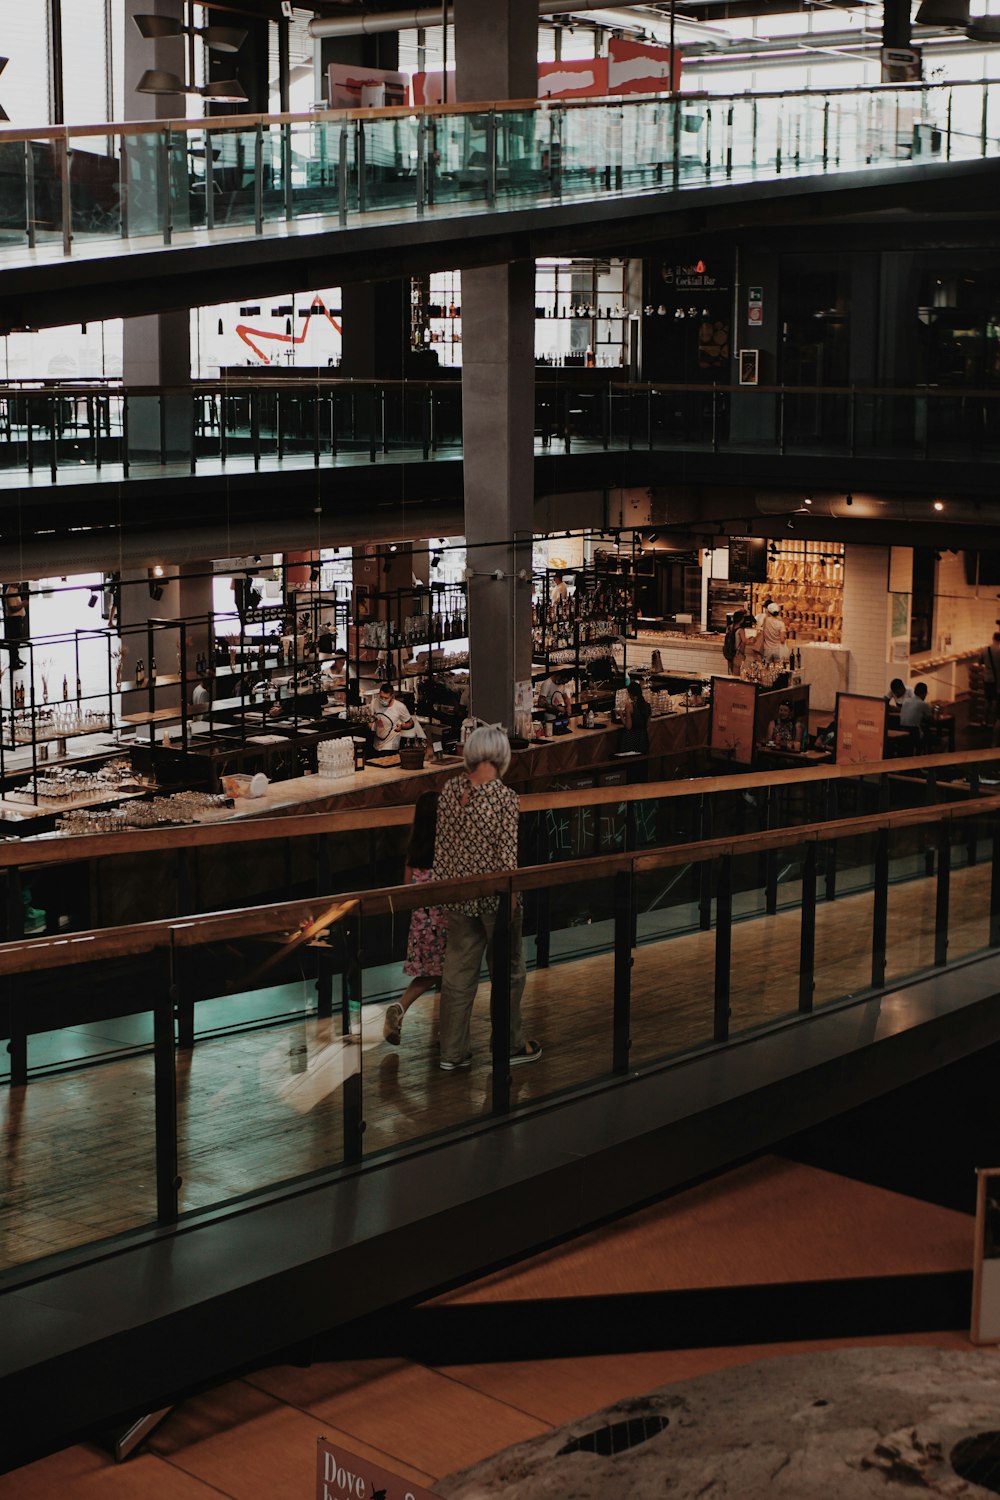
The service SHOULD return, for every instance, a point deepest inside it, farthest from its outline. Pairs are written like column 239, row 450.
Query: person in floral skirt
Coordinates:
column 428, row 924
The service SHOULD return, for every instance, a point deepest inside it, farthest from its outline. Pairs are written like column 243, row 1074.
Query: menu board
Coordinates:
column 747, row 559
column 861, row 726
column 731, row 720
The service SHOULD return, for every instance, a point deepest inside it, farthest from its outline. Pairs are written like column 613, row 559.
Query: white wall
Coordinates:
column 866, row 618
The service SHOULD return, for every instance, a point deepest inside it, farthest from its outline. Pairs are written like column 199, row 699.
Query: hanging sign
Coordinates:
column 755, row 306
column 342, row 1475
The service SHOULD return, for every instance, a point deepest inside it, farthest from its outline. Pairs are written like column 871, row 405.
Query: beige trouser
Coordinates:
column 468, row 938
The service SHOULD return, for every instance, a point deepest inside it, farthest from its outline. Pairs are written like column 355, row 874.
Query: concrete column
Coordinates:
column 496, row 49
column 496, row 58
column 498, row 423
column 156, row 349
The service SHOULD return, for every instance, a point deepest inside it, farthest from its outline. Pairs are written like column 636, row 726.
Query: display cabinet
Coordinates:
column 572, row 629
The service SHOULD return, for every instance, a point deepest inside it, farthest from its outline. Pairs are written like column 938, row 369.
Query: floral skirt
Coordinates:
column 428, row 937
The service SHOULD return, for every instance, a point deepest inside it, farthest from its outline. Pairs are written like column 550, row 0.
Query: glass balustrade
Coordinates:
column 250, row 1050
column 70, row 430
column 256, row 176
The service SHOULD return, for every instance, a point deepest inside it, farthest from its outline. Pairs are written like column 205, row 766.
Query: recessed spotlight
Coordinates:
column 939, row 505
column 849, row 499
column 807, row 500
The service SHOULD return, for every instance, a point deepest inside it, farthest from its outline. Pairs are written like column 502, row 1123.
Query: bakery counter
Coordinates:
column 825, row 666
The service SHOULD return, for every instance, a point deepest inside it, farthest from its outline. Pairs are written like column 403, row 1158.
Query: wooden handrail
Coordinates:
column 40, row 954
column 244, row 383
column 433, row 111
column 49, row 849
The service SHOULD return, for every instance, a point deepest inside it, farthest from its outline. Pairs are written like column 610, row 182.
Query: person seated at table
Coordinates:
column 554, row 694
column 914, row 713
column 786, row 732
column 635, row 717
column 898, row 692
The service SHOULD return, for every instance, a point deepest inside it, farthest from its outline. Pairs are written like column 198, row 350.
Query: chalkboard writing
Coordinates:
column 569, row 832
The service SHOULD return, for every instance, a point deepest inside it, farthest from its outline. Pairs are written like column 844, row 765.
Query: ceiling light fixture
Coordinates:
column 939, row 505
column 217, row 38
column 162, row 83
column 849, row 499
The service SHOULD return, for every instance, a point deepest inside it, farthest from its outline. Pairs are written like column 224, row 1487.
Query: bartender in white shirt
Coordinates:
column 390, row 720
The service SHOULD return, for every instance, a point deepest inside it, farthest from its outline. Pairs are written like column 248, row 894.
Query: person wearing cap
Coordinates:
column 772, row 634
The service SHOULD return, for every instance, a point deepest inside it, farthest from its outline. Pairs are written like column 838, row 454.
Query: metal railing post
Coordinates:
column 164, row 155
column 359, row 135
column 807, row 934
column 723, row 946
column 209, row 182
column 65, row 195
column 880, row 914
column 500, row 1002
column 29, row 194
column 622, row 1022
column 286, row 171
column 351, row 997
column 258, row 180
column 342, row 177
column 491, row 159
column 942, row 895
column 421, row 165
column 165, row 1096
column 995, row 887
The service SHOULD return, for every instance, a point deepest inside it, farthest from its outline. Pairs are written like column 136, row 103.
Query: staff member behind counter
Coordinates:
column 554, row 693
column 391, row 719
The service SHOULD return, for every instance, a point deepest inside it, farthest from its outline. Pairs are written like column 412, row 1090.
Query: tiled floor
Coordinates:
column 763, row 1222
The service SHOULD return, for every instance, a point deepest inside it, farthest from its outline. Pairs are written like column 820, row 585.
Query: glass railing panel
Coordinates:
column 911, row 901
column 234, row 166
column 297, row 414
column 71, row 1174
column 674, row 960
column 144, row 174
column 844, row 916
column 528, row 154
column 585, row 167
column 14, row 191
column 568, row 1003
column 763, row 964
column 445, row 415
column 970, row 843
column 391, row 156
column 274, row 1011
column 456, row 158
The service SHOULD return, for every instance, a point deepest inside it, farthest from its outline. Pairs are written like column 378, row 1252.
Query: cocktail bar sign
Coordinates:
column 342, row 1475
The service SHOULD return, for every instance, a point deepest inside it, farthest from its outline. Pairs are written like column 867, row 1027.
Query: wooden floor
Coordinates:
column 261, row 1106
column 769, row 1221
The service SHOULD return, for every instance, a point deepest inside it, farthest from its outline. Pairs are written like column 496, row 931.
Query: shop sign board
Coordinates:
column 342, row 1475
column 268, row 614
column 731, row 720
column 696, row 276
column 641, row 67
column 986, row 1259
column 755, row 306
column 861, row 726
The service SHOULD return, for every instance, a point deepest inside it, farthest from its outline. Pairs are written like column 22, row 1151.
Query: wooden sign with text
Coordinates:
column 342, row 1475
column 861, row 726
column 731, row 721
